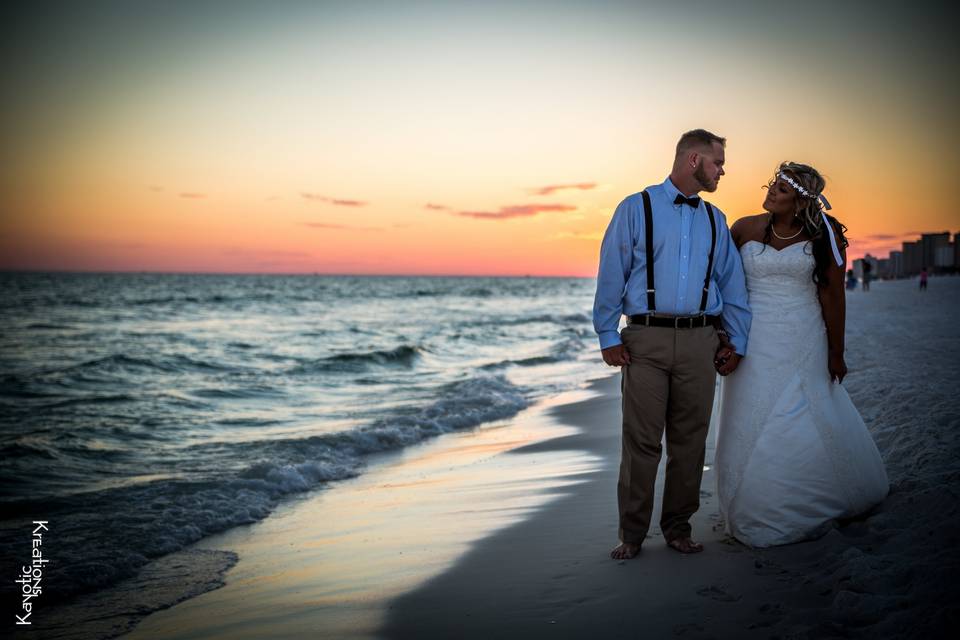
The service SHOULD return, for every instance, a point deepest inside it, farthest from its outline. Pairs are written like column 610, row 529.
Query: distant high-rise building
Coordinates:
column 883, row 268
column 931, row 244
column 912, row 258
column 943, row 257
column 933, row 251
column 896, row 264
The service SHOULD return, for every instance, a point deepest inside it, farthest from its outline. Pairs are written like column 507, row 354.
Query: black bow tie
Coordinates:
column 692, row 202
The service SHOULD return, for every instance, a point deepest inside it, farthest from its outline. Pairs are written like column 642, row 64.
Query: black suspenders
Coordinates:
column 713, row 243
column 648, row 231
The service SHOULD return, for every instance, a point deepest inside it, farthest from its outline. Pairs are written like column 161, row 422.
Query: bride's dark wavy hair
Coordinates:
column 809, row 212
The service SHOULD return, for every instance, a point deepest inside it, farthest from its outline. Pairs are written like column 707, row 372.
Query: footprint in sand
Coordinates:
column 767, row 568
column 716, row 592
column 770, row 609
column 733, row 543
column 682, row 629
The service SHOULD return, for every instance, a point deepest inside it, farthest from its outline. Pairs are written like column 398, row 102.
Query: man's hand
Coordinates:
column 726, row 360
column 616, row 356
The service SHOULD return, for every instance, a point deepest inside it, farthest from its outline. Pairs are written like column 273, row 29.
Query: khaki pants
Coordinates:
column 668, row 386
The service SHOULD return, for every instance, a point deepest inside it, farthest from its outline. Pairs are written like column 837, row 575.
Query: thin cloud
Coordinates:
column 316, row 197
column 156, row 188
column 578, row 235
column 332, row 225
column 885, row 238
column 436, row 207
column 517, row 211
column 325, row 225
column 264, row 253
column 582, row 186
column 880, row 244
column 193, row 195
column 882, row 237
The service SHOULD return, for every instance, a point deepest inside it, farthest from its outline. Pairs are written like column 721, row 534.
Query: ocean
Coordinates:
column 141, row 413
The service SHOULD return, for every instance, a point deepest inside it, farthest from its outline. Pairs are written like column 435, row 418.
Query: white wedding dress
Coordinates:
column 793, row 453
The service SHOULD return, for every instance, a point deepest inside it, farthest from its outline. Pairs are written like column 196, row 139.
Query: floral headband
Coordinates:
column 804, row 192
column 822, row 203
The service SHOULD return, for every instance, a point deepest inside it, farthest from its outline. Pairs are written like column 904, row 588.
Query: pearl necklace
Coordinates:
column 774, row 229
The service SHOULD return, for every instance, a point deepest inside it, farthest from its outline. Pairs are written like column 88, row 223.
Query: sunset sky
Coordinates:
column 450, row 138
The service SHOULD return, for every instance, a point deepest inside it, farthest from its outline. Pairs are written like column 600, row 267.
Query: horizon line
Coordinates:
column 5, row 271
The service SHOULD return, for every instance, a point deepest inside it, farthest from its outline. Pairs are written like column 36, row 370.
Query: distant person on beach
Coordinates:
column 866, row 275
column 851, row 280
column 668, row 263
column 923, row 279
column 793, row 454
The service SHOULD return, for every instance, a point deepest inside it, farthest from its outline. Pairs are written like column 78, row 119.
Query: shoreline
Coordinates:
column 327, row 558
column 551, row 574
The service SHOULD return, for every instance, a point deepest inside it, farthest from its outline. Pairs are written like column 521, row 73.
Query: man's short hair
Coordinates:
column 698, row 138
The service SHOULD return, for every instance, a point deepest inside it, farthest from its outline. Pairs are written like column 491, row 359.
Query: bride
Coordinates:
column 793, row 453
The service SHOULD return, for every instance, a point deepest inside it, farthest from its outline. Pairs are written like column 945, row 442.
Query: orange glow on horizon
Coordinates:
column 451, row 145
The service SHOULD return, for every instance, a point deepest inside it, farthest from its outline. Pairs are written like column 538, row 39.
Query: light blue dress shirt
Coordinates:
column 681, row 247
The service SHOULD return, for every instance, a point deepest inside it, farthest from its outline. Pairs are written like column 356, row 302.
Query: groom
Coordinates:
column 668, row 263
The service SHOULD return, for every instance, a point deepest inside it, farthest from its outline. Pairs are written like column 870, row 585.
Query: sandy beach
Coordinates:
column 889, row 574
column 302, row 306
column 504, row 531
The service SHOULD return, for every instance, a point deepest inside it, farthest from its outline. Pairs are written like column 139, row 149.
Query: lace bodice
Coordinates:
column 779, row 282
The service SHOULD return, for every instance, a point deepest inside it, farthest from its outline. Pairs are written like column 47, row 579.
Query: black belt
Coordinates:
column 678, row 322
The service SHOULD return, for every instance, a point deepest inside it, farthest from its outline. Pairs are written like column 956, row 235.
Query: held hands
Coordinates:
column 616, row 356
column 726, row 360
column 836, row 366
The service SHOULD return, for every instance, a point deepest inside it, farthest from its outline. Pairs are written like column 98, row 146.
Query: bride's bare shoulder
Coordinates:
column 748, row 228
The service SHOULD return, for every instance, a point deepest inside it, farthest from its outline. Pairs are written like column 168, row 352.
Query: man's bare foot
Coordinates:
column 625, row 551
column 685, row 545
